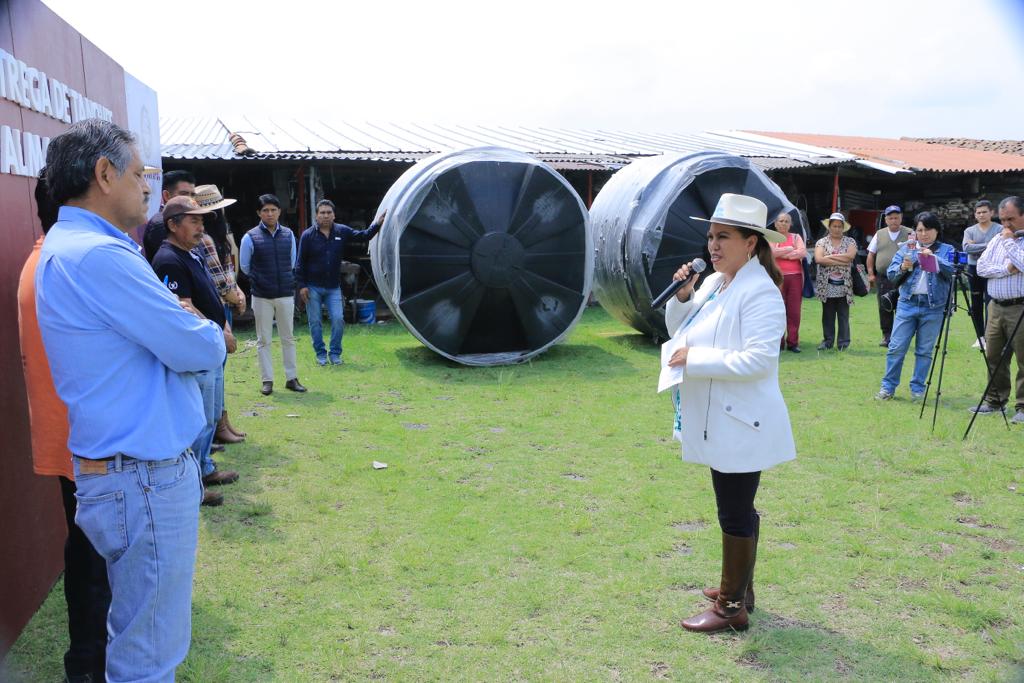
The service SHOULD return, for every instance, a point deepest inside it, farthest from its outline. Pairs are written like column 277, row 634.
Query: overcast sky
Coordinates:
column 873, row 67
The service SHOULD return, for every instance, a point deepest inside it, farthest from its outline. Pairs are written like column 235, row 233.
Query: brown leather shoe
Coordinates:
column 212, row 498
column 231, row 428
column 219, row 477
column 225, row 435
column 712, row 593
column 294, row 385
column 268, row 388
column 728, row 612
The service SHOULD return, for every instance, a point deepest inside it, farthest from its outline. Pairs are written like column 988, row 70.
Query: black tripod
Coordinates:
column 942, row 340
column 1004, row 357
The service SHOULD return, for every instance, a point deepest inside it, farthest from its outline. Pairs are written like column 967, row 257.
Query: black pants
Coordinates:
column 734, row 495
column 979, row 298
column 885, row 318
column 832, row 308
column 87, row 594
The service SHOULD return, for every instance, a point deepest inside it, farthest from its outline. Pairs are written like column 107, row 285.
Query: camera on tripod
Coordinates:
column 958, row 259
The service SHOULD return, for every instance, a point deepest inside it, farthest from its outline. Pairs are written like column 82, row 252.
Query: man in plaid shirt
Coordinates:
column 1003, row 264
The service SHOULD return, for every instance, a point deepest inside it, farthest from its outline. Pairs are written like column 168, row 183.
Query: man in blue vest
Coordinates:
column 318, row 272
column 267, row 256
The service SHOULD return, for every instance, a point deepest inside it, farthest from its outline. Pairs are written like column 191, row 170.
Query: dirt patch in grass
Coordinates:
column 944, row 551
column 962, row 499
column 909, row 585
column 751, row 661
column 975, row 523
column 834, row 604
column 695, row 525
column 1000, row 544
column 660, row 670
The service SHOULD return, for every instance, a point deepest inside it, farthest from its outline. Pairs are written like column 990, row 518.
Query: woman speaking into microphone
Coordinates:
column 723, row 366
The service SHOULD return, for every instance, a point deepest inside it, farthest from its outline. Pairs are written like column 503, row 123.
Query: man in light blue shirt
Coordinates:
column 122, row 351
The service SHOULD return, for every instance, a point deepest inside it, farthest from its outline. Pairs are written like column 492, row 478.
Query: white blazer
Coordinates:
column 734, row 418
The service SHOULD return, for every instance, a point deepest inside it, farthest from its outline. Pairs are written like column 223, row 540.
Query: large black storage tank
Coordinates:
column 643, row 232
column 485, row 255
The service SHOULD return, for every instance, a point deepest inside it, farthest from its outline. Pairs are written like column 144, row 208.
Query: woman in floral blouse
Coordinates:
column 834, row 253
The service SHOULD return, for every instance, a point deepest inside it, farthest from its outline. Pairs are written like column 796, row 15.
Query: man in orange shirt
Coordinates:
column 86, row 589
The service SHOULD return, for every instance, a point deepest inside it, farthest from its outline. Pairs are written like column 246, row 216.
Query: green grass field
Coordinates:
column 536, row 523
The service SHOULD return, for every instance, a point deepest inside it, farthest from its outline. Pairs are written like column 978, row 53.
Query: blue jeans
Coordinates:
column 332, row 297
column 211, row 385
column 912, row 320
column 143, row 519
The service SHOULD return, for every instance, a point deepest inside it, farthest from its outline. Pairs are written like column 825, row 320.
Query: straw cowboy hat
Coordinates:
column 209, row 197
column 180, row 206
column 741, row 211
column 836, row 217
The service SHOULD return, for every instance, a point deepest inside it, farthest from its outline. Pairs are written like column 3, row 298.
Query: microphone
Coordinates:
column 697, row 267
column 1018, row 233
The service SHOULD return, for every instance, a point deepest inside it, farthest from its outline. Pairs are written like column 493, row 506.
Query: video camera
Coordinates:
column 958, row 259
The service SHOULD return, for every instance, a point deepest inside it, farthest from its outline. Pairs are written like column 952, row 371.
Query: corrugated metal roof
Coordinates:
column 284, row 138
column 908, row 154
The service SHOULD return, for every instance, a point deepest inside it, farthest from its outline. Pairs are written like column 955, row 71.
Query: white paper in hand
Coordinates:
column 670, row 376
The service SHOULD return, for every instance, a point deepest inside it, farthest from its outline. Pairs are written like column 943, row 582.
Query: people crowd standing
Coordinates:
column 132, row 488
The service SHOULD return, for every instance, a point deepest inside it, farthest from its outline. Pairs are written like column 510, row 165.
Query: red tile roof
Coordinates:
column 1001, row 146
column 910, row 154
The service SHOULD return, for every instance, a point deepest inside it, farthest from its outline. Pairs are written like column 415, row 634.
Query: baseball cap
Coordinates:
column 179, row 206
column 892, row 209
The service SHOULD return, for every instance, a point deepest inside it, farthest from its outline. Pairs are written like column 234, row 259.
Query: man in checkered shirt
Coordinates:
column 1003, row 264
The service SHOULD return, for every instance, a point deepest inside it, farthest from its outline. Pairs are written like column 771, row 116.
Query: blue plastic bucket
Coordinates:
column 366, row 311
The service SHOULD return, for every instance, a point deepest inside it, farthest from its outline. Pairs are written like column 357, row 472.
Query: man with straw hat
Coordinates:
column 217, row 249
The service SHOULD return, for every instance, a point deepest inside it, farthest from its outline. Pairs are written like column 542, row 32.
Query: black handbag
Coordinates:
column 860, row 280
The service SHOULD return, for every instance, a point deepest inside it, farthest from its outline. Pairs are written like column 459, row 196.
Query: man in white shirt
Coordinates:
column 882, row 248
column 1002, row 263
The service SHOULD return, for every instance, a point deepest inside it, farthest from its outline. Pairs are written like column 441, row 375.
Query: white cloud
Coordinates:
column 946, row 67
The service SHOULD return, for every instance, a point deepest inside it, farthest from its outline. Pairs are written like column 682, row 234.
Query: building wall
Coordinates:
column 32, row 532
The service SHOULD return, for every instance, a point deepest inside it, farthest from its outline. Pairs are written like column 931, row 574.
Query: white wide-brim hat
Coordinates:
column 741, row 211
column 836, row 217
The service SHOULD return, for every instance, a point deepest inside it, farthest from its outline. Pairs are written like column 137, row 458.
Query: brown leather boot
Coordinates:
column 231, row 427
column 225, row 435
column 712, row 593
column 728, row 612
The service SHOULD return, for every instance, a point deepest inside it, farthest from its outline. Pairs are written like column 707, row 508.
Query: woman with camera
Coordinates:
column 923, row 271
column 723, row 366
column 834, row 253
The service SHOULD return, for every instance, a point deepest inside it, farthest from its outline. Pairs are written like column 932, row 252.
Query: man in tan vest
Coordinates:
column 883, row 247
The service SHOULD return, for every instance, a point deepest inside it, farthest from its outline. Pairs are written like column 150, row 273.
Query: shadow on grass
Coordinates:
column 561, row 359
column 791, row 650
column 211, row 658
column 246, row 514
column 636, row 342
